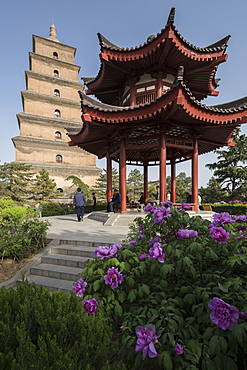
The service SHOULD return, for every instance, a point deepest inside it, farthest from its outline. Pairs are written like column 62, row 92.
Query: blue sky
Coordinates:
column 126, row 23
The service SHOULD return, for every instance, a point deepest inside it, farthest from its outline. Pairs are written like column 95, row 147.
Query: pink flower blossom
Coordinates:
column 219, row 234
column 90, row 306
column 142, row 257
column 223, row 315
column 79, row 287
column 113, row 277
column 178, row 349
column 104, row 251
column 186, row 234
column 156, row 252
column 146, row 338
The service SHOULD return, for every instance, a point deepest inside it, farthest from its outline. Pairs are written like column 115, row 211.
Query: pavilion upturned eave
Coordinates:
column 175, row 113
column 180, row 97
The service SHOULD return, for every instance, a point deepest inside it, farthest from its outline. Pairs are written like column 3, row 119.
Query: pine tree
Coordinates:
column 213, row 192
column 101, row 183
column 134, row 185
column 78, row 183
column 16, row 181
column 229, row 170
column 183, row 185
column 44, row 187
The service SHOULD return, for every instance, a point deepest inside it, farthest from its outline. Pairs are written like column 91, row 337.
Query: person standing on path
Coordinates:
column 79, row 203
column 94, row 201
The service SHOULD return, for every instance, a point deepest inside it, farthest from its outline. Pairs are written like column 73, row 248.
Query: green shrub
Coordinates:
column 6, row 202
column 20, row 233
column 43, row 331
column 173, row 292
column 58, row 209
column 233, row 209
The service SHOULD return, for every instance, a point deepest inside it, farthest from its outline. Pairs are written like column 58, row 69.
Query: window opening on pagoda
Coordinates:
column 55, row 73
column 58, row 135
column 55, row 55
column 60, row 190
column 59, row 158
column 56, row 92
column 57, row 113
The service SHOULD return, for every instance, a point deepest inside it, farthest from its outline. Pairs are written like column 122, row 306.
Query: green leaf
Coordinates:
column 239, row 333
column 146, row 289
column 214, row 346
column 90, row 271
column 118, row 310
column 223, row 288
column 132, row 295
column 115, row 262
column 167, row 361
column 96, row 285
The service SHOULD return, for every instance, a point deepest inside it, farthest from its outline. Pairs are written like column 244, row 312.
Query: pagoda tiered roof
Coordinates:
column 163, row 52
column 177, row 113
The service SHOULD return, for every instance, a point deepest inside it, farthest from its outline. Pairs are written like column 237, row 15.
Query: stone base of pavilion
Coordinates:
column 125, row 219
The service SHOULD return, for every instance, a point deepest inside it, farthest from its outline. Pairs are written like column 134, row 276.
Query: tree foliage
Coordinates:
column 183, row 185
column 16, row 181
column 100, row 187
column 134, row 184
column 78, row 183
column 213, row 192
column 44, row 187
column 230, row 170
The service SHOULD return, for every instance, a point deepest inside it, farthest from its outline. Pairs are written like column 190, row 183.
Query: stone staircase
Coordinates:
column 60, row 266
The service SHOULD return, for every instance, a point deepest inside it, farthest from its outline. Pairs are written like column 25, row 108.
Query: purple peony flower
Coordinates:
column 79, row 287
column 156, row 239
column 178, row 349
column 160, row 214
column 140, row 236
column 223, row 315
column 118, row 246
column 186, row 234
column 184, row 206
column 240, row 218
column 243, row 315
column 219, row 234
column 132, row 242
column 140, row 227
column 114, row 277
column 168, row 203
column 104, row 251
column 240, row 251
column 142, row 257
column 222, row 218
column 90, row 306
column 156, row 252
column 146, row 338
column 149, row 208
column 241, row 227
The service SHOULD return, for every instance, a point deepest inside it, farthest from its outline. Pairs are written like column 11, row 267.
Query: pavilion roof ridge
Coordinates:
column 231, row 107
column 217, row 46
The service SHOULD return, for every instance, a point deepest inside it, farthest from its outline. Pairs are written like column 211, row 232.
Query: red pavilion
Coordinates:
column 150, row 112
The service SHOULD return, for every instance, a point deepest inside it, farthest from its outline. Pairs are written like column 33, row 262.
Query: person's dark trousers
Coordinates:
column 80, row 212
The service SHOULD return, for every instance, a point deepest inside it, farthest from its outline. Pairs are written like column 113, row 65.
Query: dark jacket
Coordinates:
column 79, row 200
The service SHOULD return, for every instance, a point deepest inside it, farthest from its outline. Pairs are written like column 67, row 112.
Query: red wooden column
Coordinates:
column 145, row 173
column 132, row 94
column 162, row 143
column 195, row 174
column 159, row 84
column 122, row 173
column 108, row 177
column 173, row 181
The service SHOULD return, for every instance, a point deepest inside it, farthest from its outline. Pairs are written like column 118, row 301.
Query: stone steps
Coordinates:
column 60, row 267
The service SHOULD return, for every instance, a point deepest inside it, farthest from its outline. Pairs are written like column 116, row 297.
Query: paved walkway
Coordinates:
column 68, row 228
